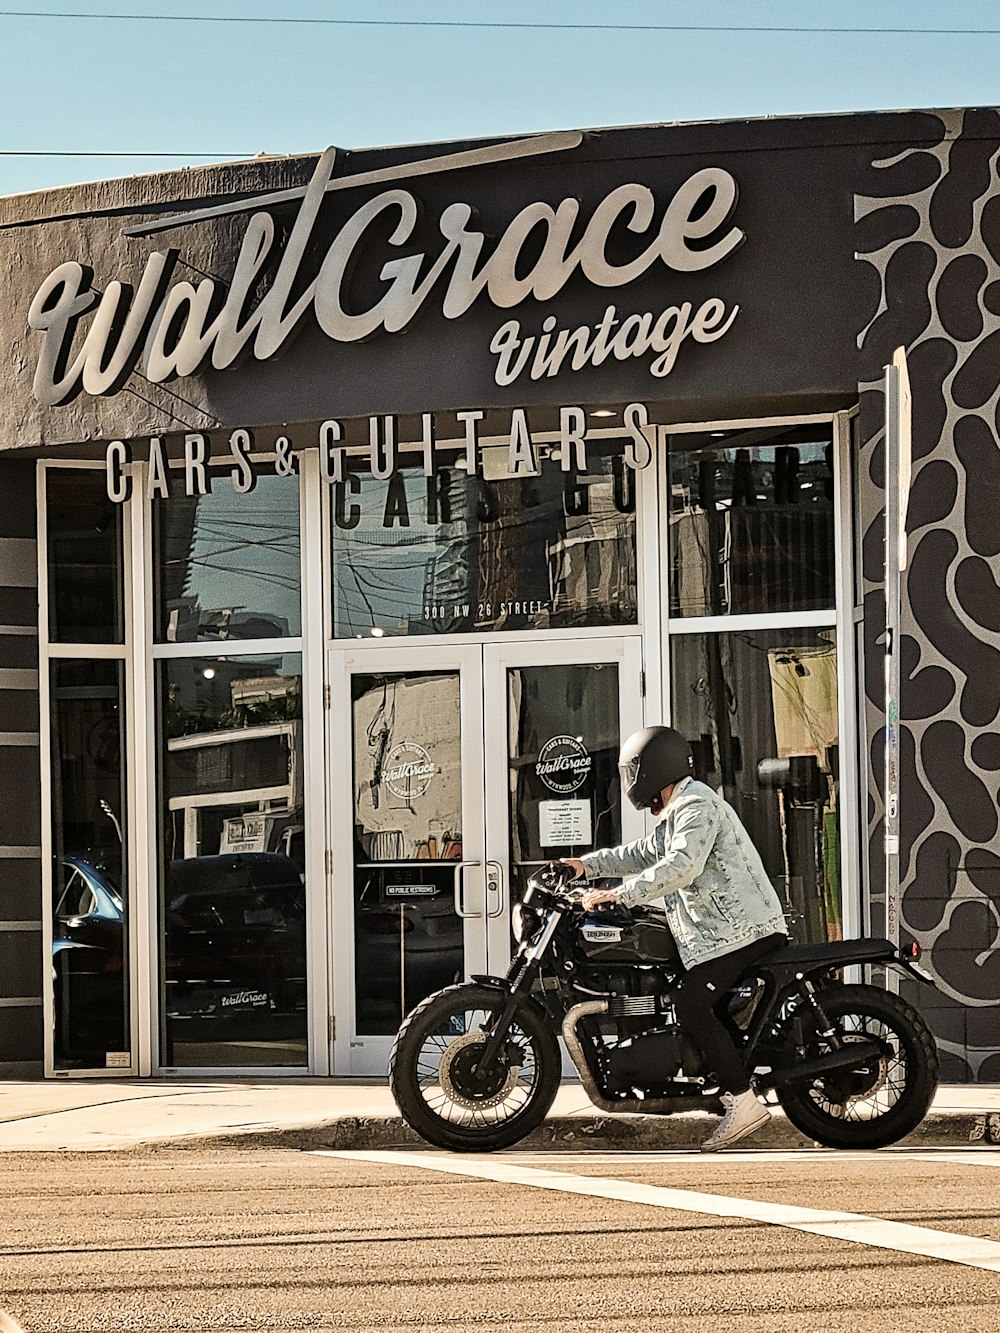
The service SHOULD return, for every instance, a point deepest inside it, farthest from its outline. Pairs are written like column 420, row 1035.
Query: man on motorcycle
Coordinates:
column 721, row 906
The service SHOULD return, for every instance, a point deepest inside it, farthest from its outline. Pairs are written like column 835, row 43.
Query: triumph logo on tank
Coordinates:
column 408, row 771
column 98, row 328
column 564, row 764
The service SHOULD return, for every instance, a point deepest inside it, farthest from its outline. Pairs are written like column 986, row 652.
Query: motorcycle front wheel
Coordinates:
column 878, row 1102
column 434, row 1076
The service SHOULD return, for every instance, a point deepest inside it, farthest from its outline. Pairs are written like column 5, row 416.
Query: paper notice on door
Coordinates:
column 564, row 824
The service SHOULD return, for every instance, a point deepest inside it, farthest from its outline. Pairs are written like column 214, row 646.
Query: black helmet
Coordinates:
column 652, row 759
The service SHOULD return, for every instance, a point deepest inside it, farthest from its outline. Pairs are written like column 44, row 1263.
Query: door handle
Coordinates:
column 494, row 887
column 460, row 890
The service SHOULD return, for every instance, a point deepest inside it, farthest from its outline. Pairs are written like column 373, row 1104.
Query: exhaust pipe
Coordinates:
column 626, row 1105
column 848, row 1057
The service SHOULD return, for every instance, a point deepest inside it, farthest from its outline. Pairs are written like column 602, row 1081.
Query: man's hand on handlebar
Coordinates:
column 590, row 899
column 595, row 900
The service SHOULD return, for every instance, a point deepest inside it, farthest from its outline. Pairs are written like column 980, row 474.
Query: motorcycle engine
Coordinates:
column 647, row 1060
column 643, row 1047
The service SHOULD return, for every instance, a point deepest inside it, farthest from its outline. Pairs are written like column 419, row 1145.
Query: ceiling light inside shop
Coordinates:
column 603, row 412
column 208, row 673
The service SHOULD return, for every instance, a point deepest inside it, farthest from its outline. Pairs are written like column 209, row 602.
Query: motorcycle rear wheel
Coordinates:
column 432, row 1071
column 867, row 1108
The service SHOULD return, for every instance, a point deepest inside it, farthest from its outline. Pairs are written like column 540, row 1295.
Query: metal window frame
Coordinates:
column 50, row 651
column 839, row 617
column 329, row 936
column 313, row 776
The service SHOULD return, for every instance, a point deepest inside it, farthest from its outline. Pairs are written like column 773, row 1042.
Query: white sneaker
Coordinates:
column 743, row 1114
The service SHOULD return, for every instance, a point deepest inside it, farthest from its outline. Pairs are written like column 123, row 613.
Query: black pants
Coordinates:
column 703, row 989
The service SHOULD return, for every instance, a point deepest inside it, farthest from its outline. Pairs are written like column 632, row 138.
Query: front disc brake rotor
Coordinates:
column 456, row 1074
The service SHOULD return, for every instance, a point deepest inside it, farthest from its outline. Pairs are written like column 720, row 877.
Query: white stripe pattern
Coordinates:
column 855, row 1227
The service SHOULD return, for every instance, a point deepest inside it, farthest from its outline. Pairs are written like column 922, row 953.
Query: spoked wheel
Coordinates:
column 880, row 1100
column 435, row 1074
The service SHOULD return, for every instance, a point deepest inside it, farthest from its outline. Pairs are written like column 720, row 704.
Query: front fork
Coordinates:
column 521, row 976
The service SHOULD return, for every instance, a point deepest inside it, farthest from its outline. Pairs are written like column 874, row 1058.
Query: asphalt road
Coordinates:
column 208, row 1240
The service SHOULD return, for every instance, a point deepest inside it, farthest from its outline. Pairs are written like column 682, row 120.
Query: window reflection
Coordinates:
column 233, row 907
column 89, row 917
column 454, row 554
column 760, row 709
column 84, row 537
column 408, row 938
column 751, row 521
column 227, row 564
column 563, row 742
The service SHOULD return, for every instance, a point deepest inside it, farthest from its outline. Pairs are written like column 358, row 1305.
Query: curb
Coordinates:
column 942, row 1129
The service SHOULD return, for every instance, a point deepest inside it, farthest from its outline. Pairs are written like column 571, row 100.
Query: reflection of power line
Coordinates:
column 286, row 520
column 289, row 583
column 281, row 543
column 364, row 596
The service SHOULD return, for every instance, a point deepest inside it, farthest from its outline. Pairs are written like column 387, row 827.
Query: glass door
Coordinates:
column 556, row 718
column 455, row 771
column 408, row 850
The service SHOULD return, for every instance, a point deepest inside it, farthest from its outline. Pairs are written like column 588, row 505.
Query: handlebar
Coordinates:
column 554, row 876
column 554, row 880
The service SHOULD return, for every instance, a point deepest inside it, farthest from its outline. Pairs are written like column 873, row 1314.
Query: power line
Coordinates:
column 499, row 24
column 28, row 152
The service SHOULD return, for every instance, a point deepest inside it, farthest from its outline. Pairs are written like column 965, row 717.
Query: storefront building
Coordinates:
column 354, row 508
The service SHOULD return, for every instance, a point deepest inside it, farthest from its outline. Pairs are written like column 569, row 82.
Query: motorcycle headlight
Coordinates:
column 523, row 922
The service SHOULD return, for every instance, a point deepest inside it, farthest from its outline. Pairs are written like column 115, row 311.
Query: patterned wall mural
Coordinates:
column 928, row 238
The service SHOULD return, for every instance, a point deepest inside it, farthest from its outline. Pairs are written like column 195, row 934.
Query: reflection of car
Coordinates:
column 236, row 936
column 234, row 944
column 412, row 907
column 87, row 953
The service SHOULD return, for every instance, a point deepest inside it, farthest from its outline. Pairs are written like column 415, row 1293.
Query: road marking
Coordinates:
column 855, row 1227
column 760, row 1156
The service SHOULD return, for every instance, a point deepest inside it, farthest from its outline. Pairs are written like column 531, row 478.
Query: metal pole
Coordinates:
column 897, row 487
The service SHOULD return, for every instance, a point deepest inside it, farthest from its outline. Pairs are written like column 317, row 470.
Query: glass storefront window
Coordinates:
column 760, row 709
column 563, row 743
column 452, row 554
column 84, row 538
column 227, row 564
column 408, row 938
column 89, row 890
column 751, row 523
column 232, row 881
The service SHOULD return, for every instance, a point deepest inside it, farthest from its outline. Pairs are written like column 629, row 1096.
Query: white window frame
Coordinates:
column 49, row 652
column 840, row 617
column 309, row 646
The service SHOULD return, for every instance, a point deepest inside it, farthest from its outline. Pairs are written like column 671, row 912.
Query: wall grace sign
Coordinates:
column 93, row 339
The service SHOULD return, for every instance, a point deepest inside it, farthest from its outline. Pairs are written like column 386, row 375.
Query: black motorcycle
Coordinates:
column 476, row 1066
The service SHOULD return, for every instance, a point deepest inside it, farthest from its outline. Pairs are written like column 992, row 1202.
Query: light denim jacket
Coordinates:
column 701, row 862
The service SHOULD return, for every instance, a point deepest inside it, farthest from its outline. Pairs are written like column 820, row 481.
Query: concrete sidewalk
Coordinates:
column 97, row 1115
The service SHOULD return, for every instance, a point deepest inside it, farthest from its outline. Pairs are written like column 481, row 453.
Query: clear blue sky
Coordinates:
column 231, row 90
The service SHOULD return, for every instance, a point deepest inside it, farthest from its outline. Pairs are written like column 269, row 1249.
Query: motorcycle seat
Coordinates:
column 854, row 951
column 783, row 962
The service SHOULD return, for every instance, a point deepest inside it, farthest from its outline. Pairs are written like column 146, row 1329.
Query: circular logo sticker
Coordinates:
column 408, row 770
column 563, row 764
